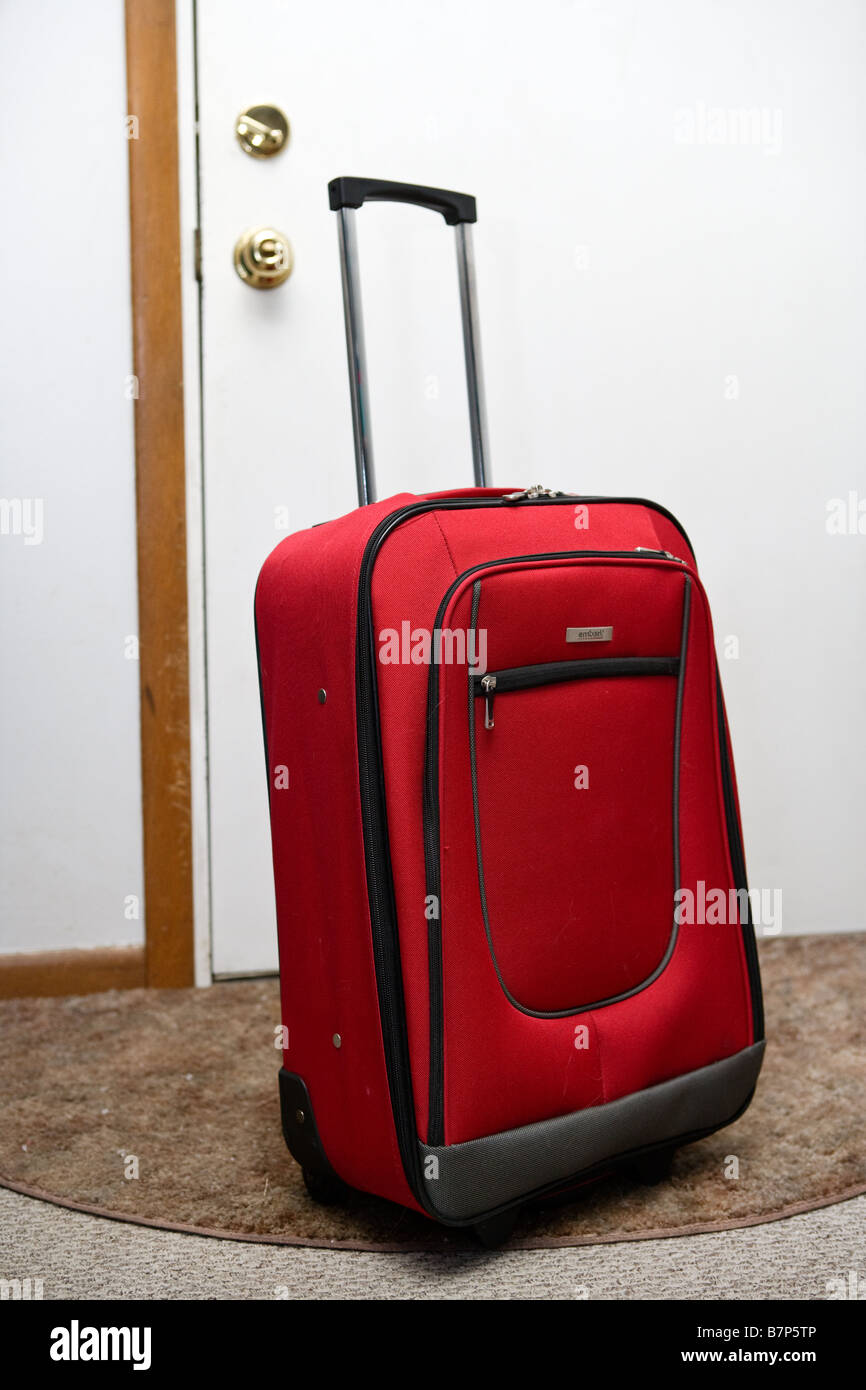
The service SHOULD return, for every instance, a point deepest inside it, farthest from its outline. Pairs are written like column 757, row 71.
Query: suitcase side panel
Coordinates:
column 306, row 604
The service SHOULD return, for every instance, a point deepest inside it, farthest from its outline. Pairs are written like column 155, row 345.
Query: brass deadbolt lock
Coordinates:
column 262, row 131
column 264, row 258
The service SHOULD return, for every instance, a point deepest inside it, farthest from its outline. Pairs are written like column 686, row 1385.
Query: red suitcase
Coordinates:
column 515, row 940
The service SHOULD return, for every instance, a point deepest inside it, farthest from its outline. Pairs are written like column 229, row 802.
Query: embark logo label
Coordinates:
column 714, row 907
column 589, row 634
column 76, row 1343
column 444, row 646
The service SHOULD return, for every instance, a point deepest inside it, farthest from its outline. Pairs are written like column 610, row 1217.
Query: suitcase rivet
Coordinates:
column 337, row 1040
column 323, row 695
column 300, row 1116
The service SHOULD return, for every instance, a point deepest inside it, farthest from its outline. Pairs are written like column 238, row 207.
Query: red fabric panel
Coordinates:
column 699, row 1010
column 306, row 611
column 526, row 613
column 476, row 492
column 500, row 532
column 500, row 1067
column 592, row 917
column 579, row 879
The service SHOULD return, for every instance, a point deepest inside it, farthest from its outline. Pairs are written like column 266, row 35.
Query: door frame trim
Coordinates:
column 161, row 503
column 191, row 303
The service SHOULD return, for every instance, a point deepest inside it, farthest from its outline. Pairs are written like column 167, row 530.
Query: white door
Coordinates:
column 672, row 301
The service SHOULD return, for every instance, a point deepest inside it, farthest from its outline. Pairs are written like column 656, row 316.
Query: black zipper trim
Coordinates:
column 738, row 864
column 377, row 860
column 558, row 672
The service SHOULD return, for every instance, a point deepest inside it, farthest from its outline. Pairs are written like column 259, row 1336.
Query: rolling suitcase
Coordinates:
column 514, row 931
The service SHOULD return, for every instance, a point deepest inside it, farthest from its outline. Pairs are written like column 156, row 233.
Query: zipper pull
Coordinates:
column 488, row 685
column 529, row 494
column 645, row 550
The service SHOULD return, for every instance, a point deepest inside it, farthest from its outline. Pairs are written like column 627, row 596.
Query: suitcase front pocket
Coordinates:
column 551, row 817
column 573, row 796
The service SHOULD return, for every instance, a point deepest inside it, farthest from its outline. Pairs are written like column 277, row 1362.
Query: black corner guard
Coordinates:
column 299, row 1125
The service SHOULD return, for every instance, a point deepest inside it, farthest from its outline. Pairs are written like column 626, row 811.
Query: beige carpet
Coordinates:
column 185, row 1082
column 80, row 1256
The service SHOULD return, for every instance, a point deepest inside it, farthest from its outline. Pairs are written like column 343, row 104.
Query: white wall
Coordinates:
column 70, row 808
column 673, row 304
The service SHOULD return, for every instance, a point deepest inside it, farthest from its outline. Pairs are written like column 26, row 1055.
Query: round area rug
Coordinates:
column 161, row 1106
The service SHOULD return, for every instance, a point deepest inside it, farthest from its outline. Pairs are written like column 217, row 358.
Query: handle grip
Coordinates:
column 347, row 192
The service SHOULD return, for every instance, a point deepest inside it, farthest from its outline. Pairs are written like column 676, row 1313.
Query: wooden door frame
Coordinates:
column 160, row 471
column 167, row 958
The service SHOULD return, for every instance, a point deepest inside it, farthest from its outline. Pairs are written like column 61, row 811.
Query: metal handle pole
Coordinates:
column 364, row 470
column 472, row 350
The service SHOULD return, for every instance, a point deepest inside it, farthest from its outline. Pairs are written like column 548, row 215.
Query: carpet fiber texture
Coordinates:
column 161, row 1106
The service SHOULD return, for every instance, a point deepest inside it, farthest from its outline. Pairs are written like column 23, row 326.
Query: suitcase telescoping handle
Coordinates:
column 458, row 209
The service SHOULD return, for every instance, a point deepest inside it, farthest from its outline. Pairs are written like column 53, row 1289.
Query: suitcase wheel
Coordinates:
column 496, row 1229
column 326, row 1188
column 654, row 1167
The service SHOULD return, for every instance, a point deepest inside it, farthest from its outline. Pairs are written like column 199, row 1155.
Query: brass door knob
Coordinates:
column 264, row 258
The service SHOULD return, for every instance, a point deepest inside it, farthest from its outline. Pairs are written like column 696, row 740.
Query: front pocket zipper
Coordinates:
column 553, row 672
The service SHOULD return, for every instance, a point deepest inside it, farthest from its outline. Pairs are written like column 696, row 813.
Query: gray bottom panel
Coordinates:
column 478, row 1176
